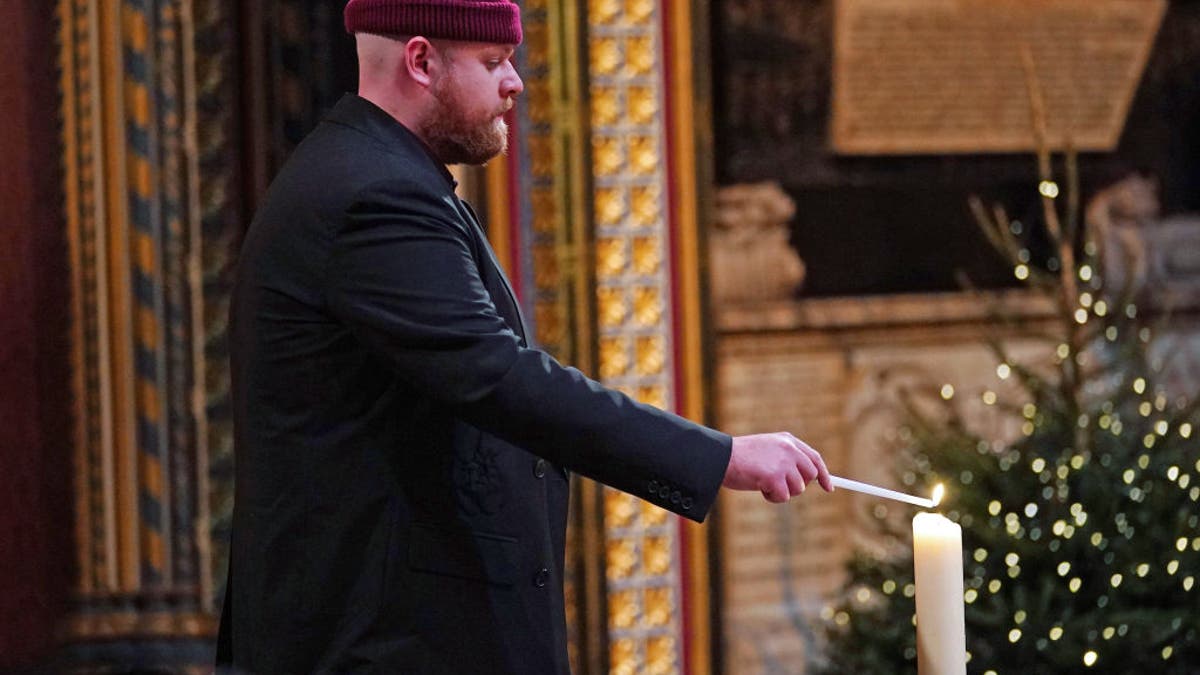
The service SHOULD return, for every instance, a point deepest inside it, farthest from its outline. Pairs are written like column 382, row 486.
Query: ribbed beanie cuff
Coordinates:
column 497, row 21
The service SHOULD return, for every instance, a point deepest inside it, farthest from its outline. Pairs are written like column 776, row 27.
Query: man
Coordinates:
column 401, row 450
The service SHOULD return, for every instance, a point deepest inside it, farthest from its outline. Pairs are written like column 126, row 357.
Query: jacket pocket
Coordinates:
column 465, row 554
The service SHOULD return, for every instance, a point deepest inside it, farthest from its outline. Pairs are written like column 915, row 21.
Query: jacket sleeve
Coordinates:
column 403, row 277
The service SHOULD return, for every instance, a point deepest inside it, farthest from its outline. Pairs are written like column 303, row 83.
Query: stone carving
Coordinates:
column 1142, row 252
column 749, row 255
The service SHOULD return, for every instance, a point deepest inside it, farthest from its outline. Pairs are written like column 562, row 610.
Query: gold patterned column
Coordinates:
column 133, row 209
column 634, row 288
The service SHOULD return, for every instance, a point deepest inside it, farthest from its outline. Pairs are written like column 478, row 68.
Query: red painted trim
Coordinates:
column 513, row 158
column 685, row 581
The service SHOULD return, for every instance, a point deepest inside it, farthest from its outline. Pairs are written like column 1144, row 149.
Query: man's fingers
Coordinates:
column 795, row 483
column 775, row 491
column 821, row 471
column 807, row 469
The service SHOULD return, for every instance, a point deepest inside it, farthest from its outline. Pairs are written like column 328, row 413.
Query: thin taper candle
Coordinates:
column 867, row 488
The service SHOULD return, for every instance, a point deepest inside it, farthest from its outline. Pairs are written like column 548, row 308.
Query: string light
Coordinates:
column 1067, row 458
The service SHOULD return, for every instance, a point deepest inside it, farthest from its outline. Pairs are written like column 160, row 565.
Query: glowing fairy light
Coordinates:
column 1085, row 273
column 1089, row 658
column 1021, row 272
column 1048, row 188
column 1003, row 371
column 947, row 391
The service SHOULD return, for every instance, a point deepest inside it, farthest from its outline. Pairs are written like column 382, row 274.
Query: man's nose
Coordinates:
column 512, row 84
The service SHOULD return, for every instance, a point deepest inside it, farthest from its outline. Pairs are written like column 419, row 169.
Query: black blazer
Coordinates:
column 400, row 493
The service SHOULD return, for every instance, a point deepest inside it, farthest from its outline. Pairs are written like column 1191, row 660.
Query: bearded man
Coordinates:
column 401, row 449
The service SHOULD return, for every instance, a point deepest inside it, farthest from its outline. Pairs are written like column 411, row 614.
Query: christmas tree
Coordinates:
column 1081, row 539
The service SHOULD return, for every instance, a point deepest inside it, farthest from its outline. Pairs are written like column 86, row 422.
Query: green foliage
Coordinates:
column 1081, row 537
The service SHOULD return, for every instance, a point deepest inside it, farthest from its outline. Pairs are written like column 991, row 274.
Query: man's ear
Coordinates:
column 419, row 57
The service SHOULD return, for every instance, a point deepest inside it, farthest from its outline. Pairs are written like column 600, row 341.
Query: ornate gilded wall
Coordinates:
column 175, row 114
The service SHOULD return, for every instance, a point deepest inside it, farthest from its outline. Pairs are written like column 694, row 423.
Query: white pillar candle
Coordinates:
column 938, row 573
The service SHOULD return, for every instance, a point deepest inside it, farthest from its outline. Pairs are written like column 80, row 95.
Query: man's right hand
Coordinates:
column 778, row 465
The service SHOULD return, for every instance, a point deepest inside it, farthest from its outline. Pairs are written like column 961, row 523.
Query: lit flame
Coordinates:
column 939, row 491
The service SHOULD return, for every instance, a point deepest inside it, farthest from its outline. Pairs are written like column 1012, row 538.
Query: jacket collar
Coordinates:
column 358, row 113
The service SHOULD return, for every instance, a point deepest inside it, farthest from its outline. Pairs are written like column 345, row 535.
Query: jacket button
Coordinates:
column 541, row 577
column 685, row 503
column 675, row 497
column 539, row 468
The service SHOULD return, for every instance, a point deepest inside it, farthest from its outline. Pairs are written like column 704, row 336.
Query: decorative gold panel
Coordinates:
column 647, row 205
column 614, row 356
column 647, row 305
column 643, row 104
column 620, row 509
column 647, row 255
column 655, row 395
column 636, row 332
column 608, row 155
column 644, row 157
column 612, row 307
column 650, row 357
column 624, row 609
column 658, row 605
column 606, row 105
column 610, row 256
column 610, row 205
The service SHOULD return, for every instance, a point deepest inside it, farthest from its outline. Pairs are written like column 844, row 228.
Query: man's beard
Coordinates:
column 457, row 138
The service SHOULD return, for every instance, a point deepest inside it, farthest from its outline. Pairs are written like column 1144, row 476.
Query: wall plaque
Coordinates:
column 946, row 76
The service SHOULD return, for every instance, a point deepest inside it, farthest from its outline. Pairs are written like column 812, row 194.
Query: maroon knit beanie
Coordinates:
column 497, row 21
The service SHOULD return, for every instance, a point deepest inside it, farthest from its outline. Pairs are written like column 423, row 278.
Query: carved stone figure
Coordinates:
column 749, row 254
column 1142, row 252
